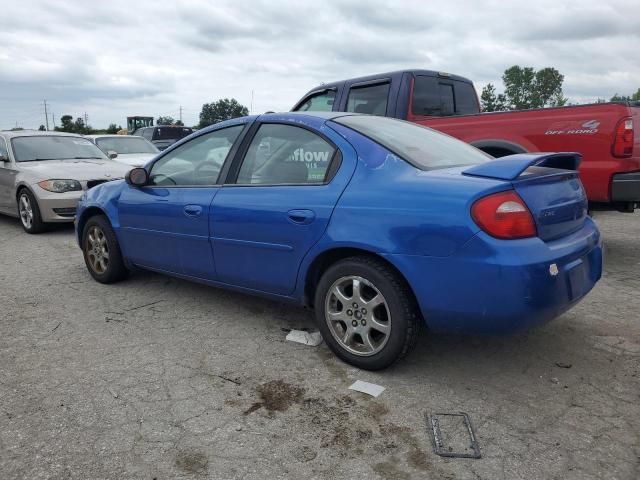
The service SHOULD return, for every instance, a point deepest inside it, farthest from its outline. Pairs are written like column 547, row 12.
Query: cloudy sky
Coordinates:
column 118, row 58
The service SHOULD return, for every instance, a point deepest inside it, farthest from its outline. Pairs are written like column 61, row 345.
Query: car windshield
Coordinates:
column 423, row 147
column 51, row 147
column 124, row 145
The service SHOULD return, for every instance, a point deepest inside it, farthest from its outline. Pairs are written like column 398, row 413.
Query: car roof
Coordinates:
column 377, row 76
column 293, row 115
column 36, row 133
column 114, row 135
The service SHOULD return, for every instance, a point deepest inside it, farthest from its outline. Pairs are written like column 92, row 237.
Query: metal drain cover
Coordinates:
column 453, row 435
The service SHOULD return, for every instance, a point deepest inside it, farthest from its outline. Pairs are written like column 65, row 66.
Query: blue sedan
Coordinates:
column 377, row 224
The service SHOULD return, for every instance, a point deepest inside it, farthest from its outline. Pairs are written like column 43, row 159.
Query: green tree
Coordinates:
column 80, row 127
column 490, row 101
column 165, row 121
column 66, row 124
column 524, row 87
column 224, row 109
column 41, row 128
column 635, row 97
column 113, row 128
column 179, row 123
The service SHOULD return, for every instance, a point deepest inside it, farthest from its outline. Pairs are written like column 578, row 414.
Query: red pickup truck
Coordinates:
column 603, row 132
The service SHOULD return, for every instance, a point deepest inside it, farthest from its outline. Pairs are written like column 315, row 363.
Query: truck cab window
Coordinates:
column 370, row 99
column 448, row 106
column 434, row 97
column 319, row 102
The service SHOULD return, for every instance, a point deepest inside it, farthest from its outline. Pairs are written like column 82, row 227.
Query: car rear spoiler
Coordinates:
column 512, row 166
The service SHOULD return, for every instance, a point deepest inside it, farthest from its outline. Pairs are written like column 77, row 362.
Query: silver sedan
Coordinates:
column 127, row 149
column 43, row 174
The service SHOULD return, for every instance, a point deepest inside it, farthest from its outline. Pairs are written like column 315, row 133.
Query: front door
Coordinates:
column 7, row 181
column 165, row 225
column 266, row 220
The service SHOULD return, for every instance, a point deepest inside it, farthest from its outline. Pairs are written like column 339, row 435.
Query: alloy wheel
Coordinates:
column 97, row 250
column 26, row 211
column 358, row 315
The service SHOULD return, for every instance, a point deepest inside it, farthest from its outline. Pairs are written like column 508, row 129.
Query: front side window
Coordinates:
column 320, row 102
column 370, row 99
column 423, row 147
column 197, row 162
column 283, row 154
column 53, row 147
column 124, row 145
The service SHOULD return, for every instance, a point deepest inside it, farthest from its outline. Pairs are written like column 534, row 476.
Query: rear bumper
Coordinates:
column 625, row 187
column 504, row 286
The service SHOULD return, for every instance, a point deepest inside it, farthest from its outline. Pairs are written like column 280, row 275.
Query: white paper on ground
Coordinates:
column 366, row 387
column 306, row 338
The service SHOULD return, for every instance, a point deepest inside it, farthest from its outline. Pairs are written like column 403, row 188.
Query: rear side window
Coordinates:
column 320, row 102
column 433, row 96
column 171, row 133
column 422, row 147
column 284, row 154
column 370, row 99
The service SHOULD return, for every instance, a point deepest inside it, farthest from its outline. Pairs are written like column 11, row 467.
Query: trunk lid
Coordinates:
column 550, row 186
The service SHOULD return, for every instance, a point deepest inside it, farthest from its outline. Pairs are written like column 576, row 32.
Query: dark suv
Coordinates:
column 164, row 135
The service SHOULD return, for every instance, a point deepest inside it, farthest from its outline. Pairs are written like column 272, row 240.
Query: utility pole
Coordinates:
column 53, row 120
column 86, row 119
column 46, row 115
column 251, row 108
column 180, row 113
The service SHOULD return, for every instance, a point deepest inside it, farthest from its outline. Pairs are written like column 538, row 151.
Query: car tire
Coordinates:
column 360, row 291
column 29, row 212
column 101, row 251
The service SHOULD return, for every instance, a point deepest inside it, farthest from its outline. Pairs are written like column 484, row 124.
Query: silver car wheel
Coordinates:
column 358, row 315
column 97, row 250
column 25, row 210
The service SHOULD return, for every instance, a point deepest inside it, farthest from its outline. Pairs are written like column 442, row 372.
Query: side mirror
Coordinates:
column 137, row 177
column 3, row 158
column 111, row 154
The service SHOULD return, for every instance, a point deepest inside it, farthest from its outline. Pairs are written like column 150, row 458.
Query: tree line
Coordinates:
column 214, row 112
column 525, row 87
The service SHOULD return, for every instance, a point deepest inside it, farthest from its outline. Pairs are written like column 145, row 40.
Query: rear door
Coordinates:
column 275, row 207
column 165, row 225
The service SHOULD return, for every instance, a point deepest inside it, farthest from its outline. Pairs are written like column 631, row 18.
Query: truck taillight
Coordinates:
column 623, row 141
column 504, row 215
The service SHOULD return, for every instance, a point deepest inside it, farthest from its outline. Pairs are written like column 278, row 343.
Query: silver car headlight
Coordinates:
column 61, row 186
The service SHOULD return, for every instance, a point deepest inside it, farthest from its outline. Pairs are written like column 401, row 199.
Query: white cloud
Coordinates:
column 118, row 58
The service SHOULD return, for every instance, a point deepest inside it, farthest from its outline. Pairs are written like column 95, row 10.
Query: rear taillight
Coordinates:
column 623, row 141
column 504, row 215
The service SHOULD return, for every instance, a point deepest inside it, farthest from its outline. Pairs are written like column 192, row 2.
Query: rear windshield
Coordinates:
column 125, row 144
column 50, row 147
column 423, row 147
column 171, row 133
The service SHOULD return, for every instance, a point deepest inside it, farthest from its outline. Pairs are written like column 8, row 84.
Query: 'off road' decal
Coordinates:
column 574, row 128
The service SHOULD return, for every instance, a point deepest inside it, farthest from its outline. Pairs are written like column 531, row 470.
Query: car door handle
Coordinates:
column 192, row 210
column 301, row 217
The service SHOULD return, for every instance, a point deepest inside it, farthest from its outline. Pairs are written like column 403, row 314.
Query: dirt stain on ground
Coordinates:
column 192, row 462
column 276, row 396
column 390, row 471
